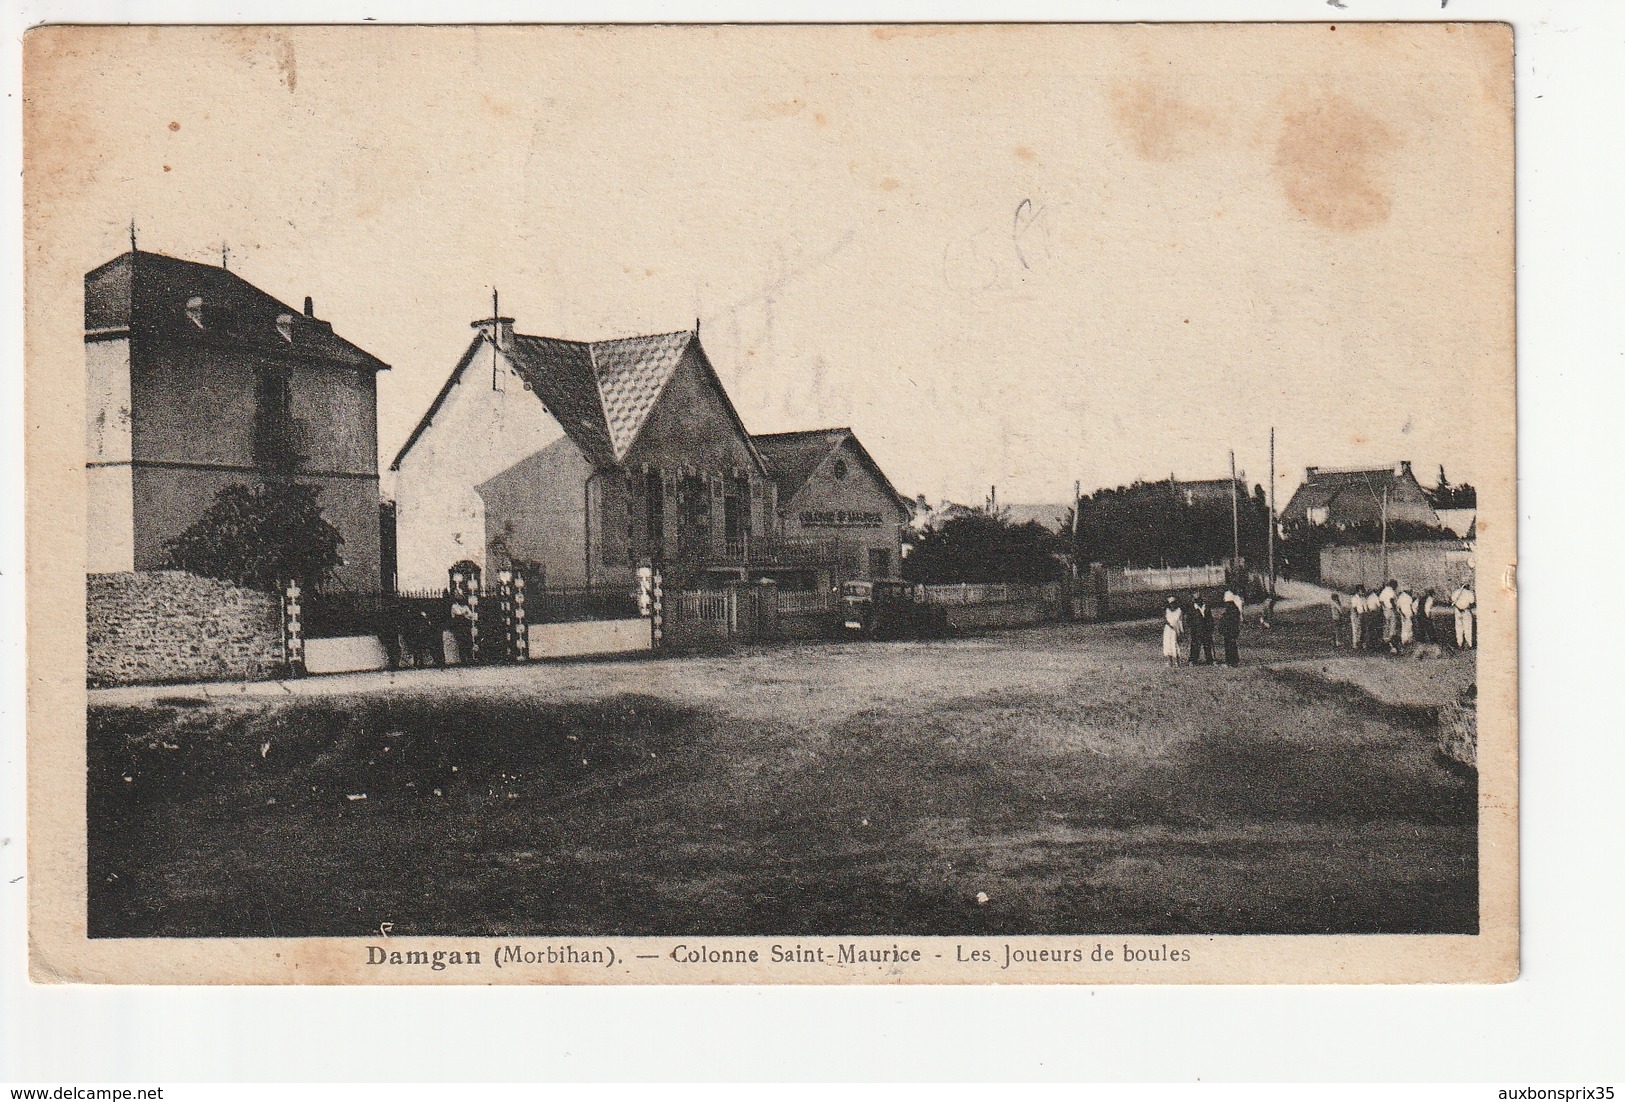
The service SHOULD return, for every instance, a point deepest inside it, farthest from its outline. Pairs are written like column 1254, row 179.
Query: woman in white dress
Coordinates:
column 1173, row 633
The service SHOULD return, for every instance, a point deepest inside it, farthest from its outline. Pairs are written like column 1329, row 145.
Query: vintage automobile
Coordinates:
column 887, row 610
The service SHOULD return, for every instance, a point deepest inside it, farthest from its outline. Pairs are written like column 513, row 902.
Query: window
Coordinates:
column 194, row 310
column 1318, row 514
column 840, row 468
column 879, row 562
column 284, row 327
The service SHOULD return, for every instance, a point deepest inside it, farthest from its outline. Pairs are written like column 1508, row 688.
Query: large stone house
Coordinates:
column 196, row 380
column 1359, row 497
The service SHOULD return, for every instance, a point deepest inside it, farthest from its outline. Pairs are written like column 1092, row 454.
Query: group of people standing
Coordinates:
column 1188, row 630
column 1394, row 619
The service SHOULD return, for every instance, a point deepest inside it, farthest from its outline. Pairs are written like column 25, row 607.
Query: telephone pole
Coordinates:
column 1272, row 510
column 1235, row 520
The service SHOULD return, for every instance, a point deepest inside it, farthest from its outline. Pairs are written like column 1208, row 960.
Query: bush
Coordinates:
column 984, row 547
column 258, row 536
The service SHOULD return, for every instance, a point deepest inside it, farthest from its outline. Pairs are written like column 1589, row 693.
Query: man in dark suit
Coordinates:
column 1201, row 631
column 1230, row 628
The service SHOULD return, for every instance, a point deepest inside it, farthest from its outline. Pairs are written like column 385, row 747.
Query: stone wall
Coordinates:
column 167, row 625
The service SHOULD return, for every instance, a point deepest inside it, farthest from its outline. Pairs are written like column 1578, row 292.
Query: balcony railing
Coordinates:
column 778, row 551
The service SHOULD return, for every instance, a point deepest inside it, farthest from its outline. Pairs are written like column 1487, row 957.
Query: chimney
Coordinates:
column 1310, row 472
column 498, row 330
column 310, row 307
column 1402, row 468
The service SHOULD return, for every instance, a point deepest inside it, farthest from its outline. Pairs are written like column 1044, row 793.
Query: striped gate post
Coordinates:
column 465, row 589
column 657, row 611
column 293, row 630
column 505, row 612
column 521, row 637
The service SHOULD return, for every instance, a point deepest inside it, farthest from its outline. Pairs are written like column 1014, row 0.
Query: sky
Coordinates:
column 1011, row 257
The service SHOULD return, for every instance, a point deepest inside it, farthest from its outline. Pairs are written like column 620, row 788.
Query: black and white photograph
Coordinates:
column 775, row 504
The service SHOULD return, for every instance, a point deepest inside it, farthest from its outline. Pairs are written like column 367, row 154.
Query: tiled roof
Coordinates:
column 791, row 457
column 600, row 392
column 561, row 374
column 149, row 293
column 631, row 374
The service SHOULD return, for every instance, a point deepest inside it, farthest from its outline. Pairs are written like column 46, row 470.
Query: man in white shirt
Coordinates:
column 1464, row 601
column 1406, row 605
column 1390, row 618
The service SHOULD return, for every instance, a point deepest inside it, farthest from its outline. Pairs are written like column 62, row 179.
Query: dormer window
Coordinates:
column 194, row 310
column 284, row 326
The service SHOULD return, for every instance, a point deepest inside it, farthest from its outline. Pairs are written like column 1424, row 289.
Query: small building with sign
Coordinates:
column 830, row 487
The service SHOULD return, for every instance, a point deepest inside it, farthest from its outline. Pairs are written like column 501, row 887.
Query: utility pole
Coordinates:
column 1272, row 510
column 1235, row 518
column 1385, row 535
column 1077, row 507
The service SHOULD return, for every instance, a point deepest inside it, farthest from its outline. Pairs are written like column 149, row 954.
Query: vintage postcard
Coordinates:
column 771, row 504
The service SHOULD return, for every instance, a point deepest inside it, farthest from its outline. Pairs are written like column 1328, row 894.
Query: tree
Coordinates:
column 1154, row 524
column 1448, row 496
column 259, row 536
column 984, row 547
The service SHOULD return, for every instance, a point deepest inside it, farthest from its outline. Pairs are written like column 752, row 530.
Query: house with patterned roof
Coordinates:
column 1359, row 497
column 578, row 462
column 197, row 380
column 830, row 488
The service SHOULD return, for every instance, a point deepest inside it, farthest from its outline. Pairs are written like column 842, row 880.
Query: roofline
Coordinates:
column 797, row 432
column 1387, row 470
column 439, row 400
column 132, row 255
column 844, row 434
column 727, row 403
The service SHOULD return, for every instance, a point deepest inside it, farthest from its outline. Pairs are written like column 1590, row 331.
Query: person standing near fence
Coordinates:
column 1338, row 616
column 1173, row 631
column 1424, row 618
column 1464, row 600
column 462, row 630
column 1230, row 628
column 1390, row 616
column 1405, row 605
column 1357, row 613
column 1201, row 629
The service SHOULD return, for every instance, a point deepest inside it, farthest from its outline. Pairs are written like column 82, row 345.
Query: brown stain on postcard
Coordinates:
column 1331, row 161
column 1162, row 126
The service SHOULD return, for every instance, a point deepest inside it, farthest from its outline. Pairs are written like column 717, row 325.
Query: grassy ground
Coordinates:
column 825, row 788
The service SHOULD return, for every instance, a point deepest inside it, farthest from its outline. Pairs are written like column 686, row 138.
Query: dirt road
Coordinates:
column 857, row 788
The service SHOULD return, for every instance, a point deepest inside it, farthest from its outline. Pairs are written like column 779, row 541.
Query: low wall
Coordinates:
column 587, row 637
column 1437, row 566
column 1010, row 615
column 346, row 654
column 167, row 625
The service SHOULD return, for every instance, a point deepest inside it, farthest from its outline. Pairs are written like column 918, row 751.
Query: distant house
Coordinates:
column 1054, row 517
column 195, row 380
column 830, row 487
column 1346, row 498
column 1208, row 491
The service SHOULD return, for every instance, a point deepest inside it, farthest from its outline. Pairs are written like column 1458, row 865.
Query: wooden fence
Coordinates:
column 1164, row 579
